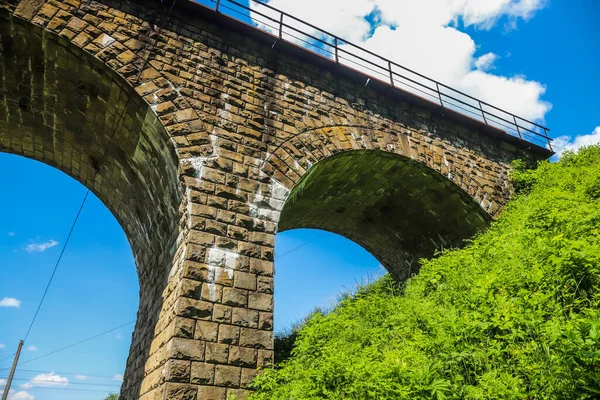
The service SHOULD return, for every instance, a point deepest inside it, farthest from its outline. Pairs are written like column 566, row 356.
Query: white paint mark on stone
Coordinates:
column 222, row 258
column 106, row 40
column 278, row 190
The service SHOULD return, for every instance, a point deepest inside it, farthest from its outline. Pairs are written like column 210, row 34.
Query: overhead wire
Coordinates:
column 301, row 246
column 97, row 170
column 73, row 345
column 6, row 358
column 43, row 384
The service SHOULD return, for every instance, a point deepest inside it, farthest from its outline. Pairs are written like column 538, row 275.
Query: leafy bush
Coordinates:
column 514, row 315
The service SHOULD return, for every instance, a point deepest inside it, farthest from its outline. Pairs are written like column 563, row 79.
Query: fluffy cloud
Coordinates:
column 345, row 18
column 486, row 61
column 2, row 345
column 32, row 348
column 568, row 143
column 22, row 395
column 40, row 247
column 10, row 302
column 425, row 36
column 13, row 394
column 46, row 380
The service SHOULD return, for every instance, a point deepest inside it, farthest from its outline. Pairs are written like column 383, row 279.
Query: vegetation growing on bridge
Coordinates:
column 515, row 315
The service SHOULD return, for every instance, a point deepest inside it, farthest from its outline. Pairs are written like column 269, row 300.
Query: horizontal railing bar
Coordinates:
column 308, row 43
column 374, row 67
column 415, row 88
column 364, row 66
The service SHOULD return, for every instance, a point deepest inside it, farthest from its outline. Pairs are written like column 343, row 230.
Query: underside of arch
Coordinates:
column 64, row 107
column 396, row 208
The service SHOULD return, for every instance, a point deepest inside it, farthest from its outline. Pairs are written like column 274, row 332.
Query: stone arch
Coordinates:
column 396, row 208
column 63, row 107
column 291, row 159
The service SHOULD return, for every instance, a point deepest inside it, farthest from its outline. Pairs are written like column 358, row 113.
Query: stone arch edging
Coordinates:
column 287, row 159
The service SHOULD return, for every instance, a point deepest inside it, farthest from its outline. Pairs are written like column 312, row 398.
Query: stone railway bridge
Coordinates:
column 204, row 142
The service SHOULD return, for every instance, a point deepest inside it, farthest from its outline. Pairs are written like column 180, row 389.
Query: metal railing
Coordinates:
column 286, row 27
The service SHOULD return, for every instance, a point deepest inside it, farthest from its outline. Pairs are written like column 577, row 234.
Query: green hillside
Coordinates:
column 514, row 315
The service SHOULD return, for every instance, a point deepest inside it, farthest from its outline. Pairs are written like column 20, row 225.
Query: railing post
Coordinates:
column 437, row 85
column 548, row 139
column 391, row 73
column 482, row 113
column 517, row 125
column 217, row 7
column 337, row 56
column 281, row 26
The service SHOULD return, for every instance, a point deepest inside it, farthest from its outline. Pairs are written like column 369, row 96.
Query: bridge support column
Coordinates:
column 215, row 325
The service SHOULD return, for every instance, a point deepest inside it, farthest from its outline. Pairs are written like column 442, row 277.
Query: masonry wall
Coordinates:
column 242, row 123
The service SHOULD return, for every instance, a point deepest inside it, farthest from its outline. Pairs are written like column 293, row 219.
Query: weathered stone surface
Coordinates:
column 226, row 375
column 204, row 144
column 202, row 373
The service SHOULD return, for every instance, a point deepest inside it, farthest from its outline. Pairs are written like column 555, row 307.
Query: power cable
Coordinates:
column 4, row 359
column 97, row 170
column 67, row 374
column 302, row 245
column 42, row 383
column 73, row 345
column 62, row 252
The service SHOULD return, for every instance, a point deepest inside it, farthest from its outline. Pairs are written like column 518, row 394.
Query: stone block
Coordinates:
column 191, row 308
column 211, row 393
column 256, row 338
column 229, row 334
column 178, row 371
column 207, row 331
column 244, row 317
column 244, row 280
column 217, row 353
column 186, row 349
column 260, row 301
column 235, row 297
column 176, row 391
column 202, row 373
column 242, row 356
column 228, row 376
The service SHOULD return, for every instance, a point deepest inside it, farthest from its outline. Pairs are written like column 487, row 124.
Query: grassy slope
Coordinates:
column 515, row 315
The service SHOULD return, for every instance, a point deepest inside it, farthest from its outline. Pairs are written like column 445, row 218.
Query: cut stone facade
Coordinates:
column 194, row 136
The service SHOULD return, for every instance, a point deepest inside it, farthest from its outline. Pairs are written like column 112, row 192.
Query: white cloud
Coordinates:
column 118, row 377
column 13, row 394
column 40, row 247
column 486, row 61
column 10, row 302
column 2, row 345
column 32, row 348
column 345, row 18
column 568, row 143
column 80, row 377
column 480, row 13
column 46, row 380
column 2, row 382
column 22, row 395
column 425, row 36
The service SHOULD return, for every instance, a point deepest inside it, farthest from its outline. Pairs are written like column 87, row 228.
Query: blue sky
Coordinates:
column 554, row 46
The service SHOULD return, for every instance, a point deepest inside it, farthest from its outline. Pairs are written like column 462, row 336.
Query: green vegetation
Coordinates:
column 514, row 315
column 112, row 396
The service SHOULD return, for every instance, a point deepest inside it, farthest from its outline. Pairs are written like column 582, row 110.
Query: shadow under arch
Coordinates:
column 63, row 107
column 396, row 208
